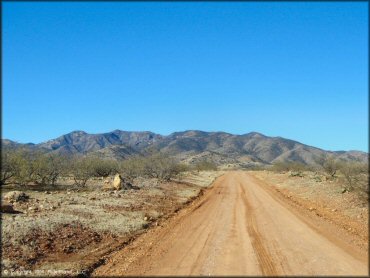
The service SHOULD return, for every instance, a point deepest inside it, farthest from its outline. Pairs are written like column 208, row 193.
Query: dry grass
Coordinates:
column 118, row 214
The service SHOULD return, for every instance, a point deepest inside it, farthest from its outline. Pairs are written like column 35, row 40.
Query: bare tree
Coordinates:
column 23, row 163
column 155, row 165
column 82, row 169
column 47, row 168
column 329, row 165
column 355, row 176
column 9, row 168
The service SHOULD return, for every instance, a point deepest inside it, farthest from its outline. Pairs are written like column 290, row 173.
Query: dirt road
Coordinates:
column 237, row 228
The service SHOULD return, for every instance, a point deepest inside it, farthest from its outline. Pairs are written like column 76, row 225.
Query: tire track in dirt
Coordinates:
column 195, row 242
column 213, row 223
column 236, row 228
column 318, row 224
column 266, row 264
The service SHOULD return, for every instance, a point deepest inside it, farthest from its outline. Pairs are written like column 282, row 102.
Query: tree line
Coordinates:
column 24, row 167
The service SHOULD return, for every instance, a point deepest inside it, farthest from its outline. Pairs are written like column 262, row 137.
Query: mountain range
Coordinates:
column 188, row 146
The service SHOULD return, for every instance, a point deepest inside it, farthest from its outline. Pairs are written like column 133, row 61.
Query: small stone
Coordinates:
column 311, row 208
column 16, row 196
column 334, row 210
column 145, row 218
column 7, row 208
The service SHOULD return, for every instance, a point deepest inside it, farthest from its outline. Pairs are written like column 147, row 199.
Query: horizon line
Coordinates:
column 187, row 130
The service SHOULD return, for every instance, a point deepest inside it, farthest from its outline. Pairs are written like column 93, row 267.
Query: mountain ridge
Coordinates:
column 189, row 146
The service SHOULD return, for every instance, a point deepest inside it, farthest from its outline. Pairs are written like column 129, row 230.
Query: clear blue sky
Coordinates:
column 297, row 70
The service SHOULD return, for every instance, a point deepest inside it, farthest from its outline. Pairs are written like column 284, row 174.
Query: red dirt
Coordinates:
column 240, row 227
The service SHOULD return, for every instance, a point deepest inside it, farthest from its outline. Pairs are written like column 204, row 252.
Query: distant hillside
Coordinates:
column 189, row 146
column 9, row 144
column 82, row 142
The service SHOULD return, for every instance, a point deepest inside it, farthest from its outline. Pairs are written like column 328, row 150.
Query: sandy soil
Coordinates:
column 241, row 226
column 323, row 200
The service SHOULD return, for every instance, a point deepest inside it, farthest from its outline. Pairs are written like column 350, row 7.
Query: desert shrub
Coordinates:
column 24, row 166
column 256, row 167
column 82, row 169
column 132, row 167
column 155, row 165
column 355, row 177
column 329, row 165
column 160, row 166
column 296, row 168
column 205, row 165
column 9, row 167
column 103, row 167
column 18, row 166
column 181, row 167
column 34, row 167
column 280, row 166
column 46, row 168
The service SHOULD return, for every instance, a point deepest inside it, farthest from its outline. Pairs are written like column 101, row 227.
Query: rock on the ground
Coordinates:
column 16, row 196
column 118, row 183
column 7, row 208
column 33, row 209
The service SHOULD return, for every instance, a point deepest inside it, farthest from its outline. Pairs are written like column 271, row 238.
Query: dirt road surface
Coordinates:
column 238, row 228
